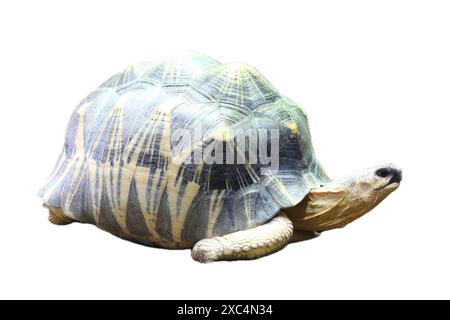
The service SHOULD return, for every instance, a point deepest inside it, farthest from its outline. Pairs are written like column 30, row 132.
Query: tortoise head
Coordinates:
column 340, row 202
column 368, row 187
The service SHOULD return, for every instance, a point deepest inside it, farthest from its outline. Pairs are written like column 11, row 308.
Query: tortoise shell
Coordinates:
column 127, row 166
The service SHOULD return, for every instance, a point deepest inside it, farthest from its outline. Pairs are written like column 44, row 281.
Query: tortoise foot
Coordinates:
column 56, row 216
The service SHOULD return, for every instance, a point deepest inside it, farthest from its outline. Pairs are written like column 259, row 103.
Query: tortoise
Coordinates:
column 163, row 154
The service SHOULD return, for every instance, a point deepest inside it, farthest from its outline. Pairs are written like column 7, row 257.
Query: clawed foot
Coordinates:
column 207, row 250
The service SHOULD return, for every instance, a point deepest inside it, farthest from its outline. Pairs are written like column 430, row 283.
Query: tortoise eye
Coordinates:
column 383, row 172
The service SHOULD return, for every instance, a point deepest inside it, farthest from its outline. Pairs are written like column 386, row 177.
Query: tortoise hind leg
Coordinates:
column 57, row 216
column 248, row 244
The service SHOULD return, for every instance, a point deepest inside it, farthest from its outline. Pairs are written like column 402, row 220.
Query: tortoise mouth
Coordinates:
column 390, row 186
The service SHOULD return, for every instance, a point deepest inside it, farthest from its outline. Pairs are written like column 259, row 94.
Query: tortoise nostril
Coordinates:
column 396, row 176
column 383, row 172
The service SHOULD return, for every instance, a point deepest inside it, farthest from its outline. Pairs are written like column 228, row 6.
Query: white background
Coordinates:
column 374, row 77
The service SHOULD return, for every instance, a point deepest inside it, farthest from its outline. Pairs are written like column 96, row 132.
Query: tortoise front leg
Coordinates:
column 248, row 244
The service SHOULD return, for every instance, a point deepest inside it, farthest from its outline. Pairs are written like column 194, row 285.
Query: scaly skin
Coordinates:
column 248, row 244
